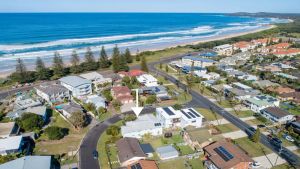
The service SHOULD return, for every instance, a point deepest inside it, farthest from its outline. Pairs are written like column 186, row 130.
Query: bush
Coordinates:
column 55, row 133
column 151, row 99
column 177, row 106
column 30, row 122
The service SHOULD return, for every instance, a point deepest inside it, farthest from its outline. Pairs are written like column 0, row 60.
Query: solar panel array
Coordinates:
column 195, row 113
column 223, row 153
column 168, row 111
column 136, row 166
column 157, row 124
column 185, row 114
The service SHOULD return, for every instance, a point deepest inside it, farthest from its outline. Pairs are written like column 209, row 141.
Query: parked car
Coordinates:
column 261, row 126
column 288, row 138
column 255, row 164
column 95, row 154
column 276, row 141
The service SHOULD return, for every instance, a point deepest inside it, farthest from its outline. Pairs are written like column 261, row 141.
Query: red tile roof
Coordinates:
column 145, row 164
column 132, row 73
column 120, row 90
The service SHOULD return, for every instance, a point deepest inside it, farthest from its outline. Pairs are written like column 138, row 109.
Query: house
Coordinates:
column 287, row 52
column 144, row 124
column 53, row 93
column 160, row 92
column 225, row 155
column 129, row 151
column 208, row 76
column 294, row 97
column 225, row 49
column 29, row 162
column 78, row 86
column 38, row 110
column 197, row 138
column 243, row 46
column 24, row 101
column 197, row 61
column 208, row 53
column 280, row 89
column 190, row 117
column 122, row 94
column 169, row 117
column 234, row 59
column 262, row 84
column 287, row 76
column 260, row 102
column 9, row 129
column 220, row 88
column 97, row 79
column 167, row 152
column 240, row 91
column 98, row 101
column 10, row 145
column 143, row 164
column 68, row 109
column 147, row 80
column 131, row 73
column 260, row 42
column 188, row 69
column 277, row 115
column 208, row 83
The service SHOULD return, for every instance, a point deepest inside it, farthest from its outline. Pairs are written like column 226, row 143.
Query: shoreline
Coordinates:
column 5, row 74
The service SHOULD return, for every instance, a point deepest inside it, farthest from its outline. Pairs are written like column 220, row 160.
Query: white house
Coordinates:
column 77, row 86
column 190, row 117
column 38, row 110
column 52, row 93
column 147, row 80
column 10, row 145
column 144, row 124
column 208, row 76
column 198, row 61
column 8, row 129
column 96, row 78
column 226, row 49
column 29, row 162
column 169, row 117
column 277, row 115
column 260, row 102
column 98, row 101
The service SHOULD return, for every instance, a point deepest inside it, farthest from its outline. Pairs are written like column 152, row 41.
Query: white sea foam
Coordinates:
column 66, row 42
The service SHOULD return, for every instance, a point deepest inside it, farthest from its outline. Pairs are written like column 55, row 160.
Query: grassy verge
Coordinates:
column 253, row 149
column 208, row 114
column 226, row 128
column 242, row 114
column 282, row 166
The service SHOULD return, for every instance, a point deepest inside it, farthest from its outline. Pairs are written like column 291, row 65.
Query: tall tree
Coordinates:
column 90, row 63
column 256, row 136
column 144, row 66
column 137, row 56
column 116, row 59
column 21, row 72
column 128, row 56
column 123, row 63
column 58, row 66
column 75, row 61
column 78, row 119
column 103, row 59
column 42, row 73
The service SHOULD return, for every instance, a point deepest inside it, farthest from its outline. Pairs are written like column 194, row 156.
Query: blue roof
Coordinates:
column 208, row 54
column 29, row 162
column 195, row 58
column 188, row 68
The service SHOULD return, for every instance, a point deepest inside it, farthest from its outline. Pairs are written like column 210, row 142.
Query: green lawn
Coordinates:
column 226, row 128
column 185, row 150
column 161, row 141
column 242, row 114
column 173, row 164
column 113, row 155
column 105, row 116
column 208, row 114
column 254, row 122
column 69, row 143
column 196, row 164
column 253, row 149
column 282, row 166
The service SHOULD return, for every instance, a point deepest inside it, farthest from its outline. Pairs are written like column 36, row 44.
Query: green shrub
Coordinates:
column 55, row 133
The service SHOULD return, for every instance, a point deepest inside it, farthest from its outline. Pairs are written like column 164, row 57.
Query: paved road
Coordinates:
column 204, row 102
column 89, row 143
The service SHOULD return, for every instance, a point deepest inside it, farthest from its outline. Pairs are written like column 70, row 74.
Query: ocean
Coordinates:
column 31, row 35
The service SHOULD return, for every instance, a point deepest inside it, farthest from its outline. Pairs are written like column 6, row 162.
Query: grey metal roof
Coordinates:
column 52, row 89
column 28, row 162
column 167, row 151
column 74, row 81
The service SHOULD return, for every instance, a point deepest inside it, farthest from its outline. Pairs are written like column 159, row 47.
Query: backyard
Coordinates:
column 253, row 149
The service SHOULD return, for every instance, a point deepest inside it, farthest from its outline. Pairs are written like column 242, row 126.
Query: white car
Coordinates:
column 289, row 138
column 255, row 164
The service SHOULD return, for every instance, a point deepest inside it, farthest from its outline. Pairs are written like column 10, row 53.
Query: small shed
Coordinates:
column 167, row 152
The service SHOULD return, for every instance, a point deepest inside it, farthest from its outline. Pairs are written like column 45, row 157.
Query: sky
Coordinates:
column 199, row 6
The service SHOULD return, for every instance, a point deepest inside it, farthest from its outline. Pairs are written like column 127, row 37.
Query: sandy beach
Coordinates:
column 4, row 74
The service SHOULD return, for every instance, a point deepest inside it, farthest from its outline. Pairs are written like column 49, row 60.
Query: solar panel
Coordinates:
column 157, row 124
column 224, row 153
column 136, row 166
column 195, row 113
column 185, row 114
column 168, row 111
column 191, row 114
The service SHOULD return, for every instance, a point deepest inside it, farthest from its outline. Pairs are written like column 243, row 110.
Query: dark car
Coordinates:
column 250, row 131
column 276, row 142
column 261, row 126
column 95, row 154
